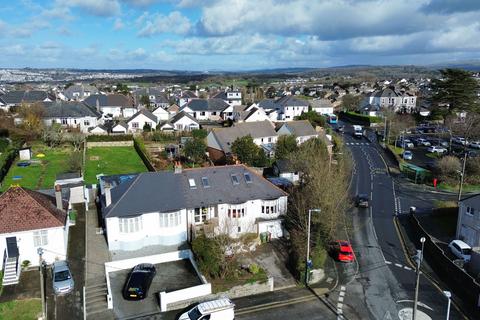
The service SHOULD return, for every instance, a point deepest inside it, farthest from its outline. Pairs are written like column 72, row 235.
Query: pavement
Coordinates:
column 70, row 306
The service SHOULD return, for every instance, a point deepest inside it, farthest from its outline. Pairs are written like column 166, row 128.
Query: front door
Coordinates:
column 12, row 249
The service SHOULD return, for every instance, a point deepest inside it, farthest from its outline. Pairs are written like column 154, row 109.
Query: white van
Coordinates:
column 461, row 250
column 221, row 309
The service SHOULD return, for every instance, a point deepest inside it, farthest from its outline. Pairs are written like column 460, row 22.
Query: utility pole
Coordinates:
column 307, row 262
column 42, row 290
column 462, row 176
column 419, row 262
column 448, row 294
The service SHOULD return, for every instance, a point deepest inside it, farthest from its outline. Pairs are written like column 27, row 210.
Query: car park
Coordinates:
column 461, row 250
column 435, row 149
column 220, row 309
column 139, row 281
column 408, row 143
column 62, row 279
column 460, row 140
column 423, row 142
column 362, row 200
column 343, row 251
column 407, row 155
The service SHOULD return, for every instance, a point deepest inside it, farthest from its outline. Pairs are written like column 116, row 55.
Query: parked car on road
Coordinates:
column 407, row 155
column 62, row 279
column 139, row 281
column 361, row 200
column 423, row 142
column 221, row 309
column 435, row 149
column 461, row 250
column 460, row 140
column 475, row 144
column 408, row 143
column 343, row 251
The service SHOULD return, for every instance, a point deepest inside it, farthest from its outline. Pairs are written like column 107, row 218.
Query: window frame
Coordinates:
column 40, row 238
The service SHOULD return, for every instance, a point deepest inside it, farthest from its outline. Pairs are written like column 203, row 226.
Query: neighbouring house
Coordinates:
column 161, row 113
column 73, row 183
column 186, row 97
column 249, row 114
column 372, row 110
column 468, row 224
column 206, row 109
column 301, row 129
column 30, row 220
column 69, row 114
column 112, row 105
column 18, row 97
column 290, row 107
column 157, row 98
column 137, row 122
column 79, row 92
column 166, row 209
column 181, row 122
column 283, row 169
column 120, row 128
column 219, row 140
column 233, row 98
column 322, row 106
column 173, row 109
column 100, row 129
column 393, row 99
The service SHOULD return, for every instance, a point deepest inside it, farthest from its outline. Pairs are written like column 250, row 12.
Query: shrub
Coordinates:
column 75, row 161
column 208, row 254
column 159, row 136
column 25, row 264
column 147, row 127
column 253, row 268
column 3, row 144
column 448, row 168
column 319, row 256
column 199, row 133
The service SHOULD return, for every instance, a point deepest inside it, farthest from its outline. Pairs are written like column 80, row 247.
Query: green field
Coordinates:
column 111, row 160
column 42, row 172
column 21, row 309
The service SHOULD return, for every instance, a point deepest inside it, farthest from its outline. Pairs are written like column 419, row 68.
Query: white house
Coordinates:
column 322, row 106
column 390, row 98
column 114, row 105
column 17, row 97
column 468, row 225
column 301, row 129
column 79, row 92
column 206, row 109
column 166, row 208
column 140, row 119
column 71, row 115
column 120, row 128
column 249, row 114
column 186, row 97
column 233, row 98
column 161, row 113
column 99, row 130
column 182, row 122
column 290, row 107
column 30, row 220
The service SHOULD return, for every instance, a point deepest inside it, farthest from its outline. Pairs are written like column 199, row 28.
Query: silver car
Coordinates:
column 62, row 278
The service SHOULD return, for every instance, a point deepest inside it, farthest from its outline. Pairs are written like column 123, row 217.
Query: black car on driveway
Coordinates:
column 362, row 200
column 139, row 281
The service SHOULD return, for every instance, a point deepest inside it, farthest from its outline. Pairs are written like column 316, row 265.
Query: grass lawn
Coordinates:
column 454, row 188
column 21, row 309
column 111, row 160
column 42, row 172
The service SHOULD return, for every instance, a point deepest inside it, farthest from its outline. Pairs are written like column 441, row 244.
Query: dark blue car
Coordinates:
column 139, row 281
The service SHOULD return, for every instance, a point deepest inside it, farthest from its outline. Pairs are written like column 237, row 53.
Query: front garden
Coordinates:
column 27, row 309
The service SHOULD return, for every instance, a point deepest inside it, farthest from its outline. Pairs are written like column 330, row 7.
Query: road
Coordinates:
column 383, row 287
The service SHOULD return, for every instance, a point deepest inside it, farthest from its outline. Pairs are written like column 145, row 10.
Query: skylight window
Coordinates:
column 192, row 184
column 205, row 182
column 248, row 178
column 235, row 180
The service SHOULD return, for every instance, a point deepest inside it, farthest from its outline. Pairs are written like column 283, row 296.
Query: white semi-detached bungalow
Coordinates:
column 140, row 119
column 71, row 114
column 166, row 208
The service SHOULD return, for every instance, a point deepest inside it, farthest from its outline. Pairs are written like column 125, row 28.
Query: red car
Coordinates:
column 344, row 251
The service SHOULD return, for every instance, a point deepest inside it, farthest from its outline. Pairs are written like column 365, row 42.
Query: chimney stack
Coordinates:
column 97, row 103
column 108, row 194
column 58, row 197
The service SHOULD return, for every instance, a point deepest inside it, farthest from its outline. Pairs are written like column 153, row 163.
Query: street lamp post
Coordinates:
column 307, row 262
column 419, row 262
column 42, row 292
column 462, row 176
column 448, row 294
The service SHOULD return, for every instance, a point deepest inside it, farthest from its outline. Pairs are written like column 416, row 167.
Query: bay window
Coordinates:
column 130, row 225
column 170, row 220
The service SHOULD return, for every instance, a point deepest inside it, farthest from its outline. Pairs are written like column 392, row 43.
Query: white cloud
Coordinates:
column 140, row 3
column 175, row 23
column 103, row 8
column 118, row 24
column 461, row 37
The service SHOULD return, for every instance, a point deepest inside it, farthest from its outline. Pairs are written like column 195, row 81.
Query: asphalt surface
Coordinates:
column 383, row 287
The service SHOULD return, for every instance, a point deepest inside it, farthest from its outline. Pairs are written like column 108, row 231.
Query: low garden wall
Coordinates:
column 110, row 144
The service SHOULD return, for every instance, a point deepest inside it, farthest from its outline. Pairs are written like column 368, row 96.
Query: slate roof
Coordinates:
column 160, row 97
column 188, row 94
column 68, row 109
column 291, row 101
column 110, row 100
column 146, row 113
column 300, row 128
column 82, row 88
column 19, row 96
column 214, row 104
column 226, row 136
column 22, row 210
column 267, row 104
column 180, row 115
column 321, row 103
column 166, row 191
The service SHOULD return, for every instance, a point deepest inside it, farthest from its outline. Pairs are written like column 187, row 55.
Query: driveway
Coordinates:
column 170, row 276
column 272, row 257
column 70, row 306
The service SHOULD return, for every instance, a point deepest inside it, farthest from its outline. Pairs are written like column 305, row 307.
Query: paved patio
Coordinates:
column 28, row 287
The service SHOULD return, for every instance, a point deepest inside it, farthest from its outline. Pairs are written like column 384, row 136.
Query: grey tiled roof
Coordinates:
column 166, row 191
column 226, row 136
column 321, row 103
column 180, row 115
column 207, row 104
column 19, row 96
column 64, row 109
column 300, row 128
column 110, row 100
column 188, row 94
column 146, row 113
column 291, row 101
column 267, row 104
column 81, row 88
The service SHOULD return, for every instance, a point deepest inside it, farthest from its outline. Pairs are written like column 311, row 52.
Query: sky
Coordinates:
column 235, row 35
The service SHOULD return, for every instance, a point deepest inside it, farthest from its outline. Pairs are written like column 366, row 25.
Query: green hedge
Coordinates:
column 106, row 138
column 7, row 158
column 139, row 146
column 360, row 117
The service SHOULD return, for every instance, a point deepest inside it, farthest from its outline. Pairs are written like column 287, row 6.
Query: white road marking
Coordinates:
column 340, row 299
column 407, row 268
column 342, row 293
column 398, row 265
column 388, row 262
column 343, row 288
